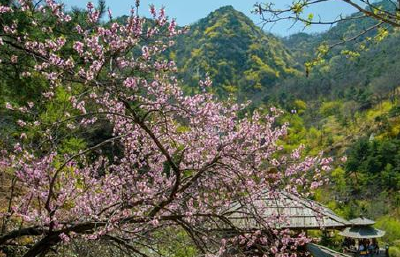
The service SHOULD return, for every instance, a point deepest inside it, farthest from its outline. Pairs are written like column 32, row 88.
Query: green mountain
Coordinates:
column 366, row 76
column 347, row 106
column 350, row 106
column 248, row 63
column 236, row 54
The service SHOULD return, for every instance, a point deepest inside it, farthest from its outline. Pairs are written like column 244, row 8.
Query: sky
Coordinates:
column 187, row 12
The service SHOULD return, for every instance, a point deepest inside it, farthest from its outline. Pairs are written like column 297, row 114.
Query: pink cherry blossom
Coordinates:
column 14, row 59
column 5, row 9
column 9, row 106
column 184, row 162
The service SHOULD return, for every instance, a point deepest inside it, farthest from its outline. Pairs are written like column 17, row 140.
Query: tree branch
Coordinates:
column 31, row 231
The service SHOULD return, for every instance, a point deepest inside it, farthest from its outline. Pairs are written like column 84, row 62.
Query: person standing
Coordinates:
column 362, row 250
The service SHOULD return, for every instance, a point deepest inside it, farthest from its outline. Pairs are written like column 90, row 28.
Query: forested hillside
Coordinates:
column 361, row 69
column 238, row 56
column 347, row 106
column 251, row 64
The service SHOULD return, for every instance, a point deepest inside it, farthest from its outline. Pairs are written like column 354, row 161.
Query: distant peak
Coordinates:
column 228, row 17
column 226, row 8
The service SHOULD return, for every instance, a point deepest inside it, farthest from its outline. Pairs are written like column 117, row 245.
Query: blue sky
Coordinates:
column 189, row 11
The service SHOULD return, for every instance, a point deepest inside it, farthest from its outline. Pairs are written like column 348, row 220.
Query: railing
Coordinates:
column 322, row 251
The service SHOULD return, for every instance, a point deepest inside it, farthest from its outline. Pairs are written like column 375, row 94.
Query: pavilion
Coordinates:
column 300, row 214
column 361, row 228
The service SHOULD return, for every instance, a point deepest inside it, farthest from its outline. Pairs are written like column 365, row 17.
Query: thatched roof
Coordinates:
column 362, row 228
column 362, row 222
column 296, row 213
column 362, row 232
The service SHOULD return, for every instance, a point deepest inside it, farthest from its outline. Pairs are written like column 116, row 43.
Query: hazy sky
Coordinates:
column 189, row 11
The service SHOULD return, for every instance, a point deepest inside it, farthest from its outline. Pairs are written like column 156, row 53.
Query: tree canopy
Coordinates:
column 165, row 161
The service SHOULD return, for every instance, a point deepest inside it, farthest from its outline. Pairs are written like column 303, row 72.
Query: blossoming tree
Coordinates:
column 183, row 161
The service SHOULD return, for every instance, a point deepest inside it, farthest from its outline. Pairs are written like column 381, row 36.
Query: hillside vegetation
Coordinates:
column 348, row 106
column 237, row 55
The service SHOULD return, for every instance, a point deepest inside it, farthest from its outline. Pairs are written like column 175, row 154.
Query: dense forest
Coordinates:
column 347, row 106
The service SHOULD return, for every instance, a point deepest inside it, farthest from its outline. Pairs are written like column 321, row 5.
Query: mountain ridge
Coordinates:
column 238, row 56
column 250, row 64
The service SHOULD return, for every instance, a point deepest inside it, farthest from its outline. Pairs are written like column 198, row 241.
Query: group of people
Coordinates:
column 365, row 247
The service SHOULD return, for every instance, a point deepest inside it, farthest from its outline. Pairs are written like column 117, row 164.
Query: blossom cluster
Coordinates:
column 186, row 159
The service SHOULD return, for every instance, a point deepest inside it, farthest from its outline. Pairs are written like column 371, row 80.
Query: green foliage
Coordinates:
column 366, row 63
column 351, row 96
column 394, row 251
column 177, row 244
column 300, row 106
column 72, row 145
column 339, row 178
column 239, row 57
column 377, row 161
column 331, row 108
column 392, row 227
column 348, row 97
